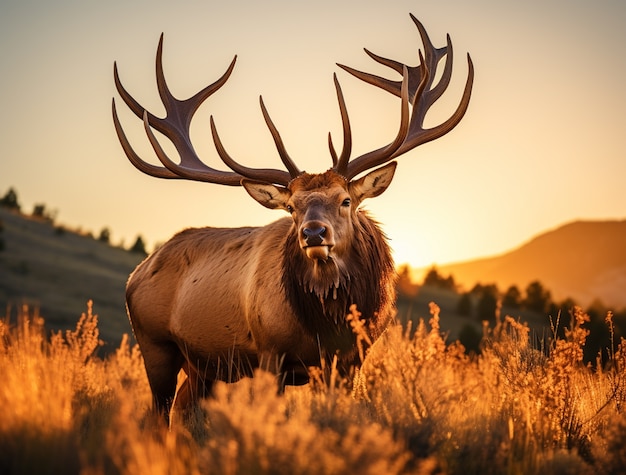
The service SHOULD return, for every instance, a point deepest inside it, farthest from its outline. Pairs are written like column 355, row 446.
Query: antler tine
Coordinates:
column 141, row 165
column 202, row 173
column 341, row 164
column 418, row 135
column 175, row 126
column 432, row 57
column 279, row 177
column 333, row 152
column 384, row 154
column 278, row 141
column 130, row 101
column 422, row 95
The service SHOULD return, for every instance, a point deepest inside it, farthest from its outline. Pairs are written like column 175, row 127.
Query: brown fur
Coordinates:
column 321, row 295
column 219, row 303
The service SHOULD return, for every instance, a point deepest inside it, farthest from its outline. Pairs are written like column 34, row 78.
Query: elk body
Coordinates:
column 219, row 303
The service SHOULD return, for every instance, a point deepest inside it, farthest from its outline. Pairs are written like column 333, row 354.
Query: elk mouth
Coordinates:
column 317, row 252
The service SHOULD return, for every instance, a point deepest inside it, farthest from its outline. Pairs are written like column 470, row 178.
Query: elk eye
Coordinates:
column 346, row 202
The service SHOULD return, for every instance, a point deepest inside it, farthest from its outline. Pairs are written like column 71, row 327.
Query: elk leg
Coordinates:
column 190, row 392
column 163, row 361
column 287, row 372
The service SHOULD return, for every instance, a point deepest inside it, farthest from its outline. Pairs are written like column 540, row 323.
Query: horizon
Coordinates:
column 540, row 146
column 127, row 244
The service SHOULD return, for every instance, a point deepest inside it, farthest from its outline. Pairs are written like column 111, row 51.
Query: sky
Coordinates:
column 543, row 142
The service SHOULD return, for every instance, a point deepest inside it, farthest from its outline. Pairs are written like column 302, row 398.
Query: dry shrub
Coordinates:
column 57, row 397
column 418, row 405
column 555, row 404
column 268, row 433
column 513, row 409
column 40, row 378
column 429, row 394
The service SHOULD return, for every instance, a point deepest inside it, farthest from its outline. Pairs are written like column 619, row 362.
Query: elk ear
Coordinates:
column 374, row 183
column 270, row 196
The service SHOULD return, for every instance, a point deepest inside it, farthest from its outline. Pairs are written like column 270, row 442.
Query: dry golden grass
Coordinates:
column 417, row 406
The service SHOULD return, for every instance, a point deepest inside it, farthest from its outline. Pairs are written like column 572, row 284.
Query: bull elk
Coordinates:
column 219, row 303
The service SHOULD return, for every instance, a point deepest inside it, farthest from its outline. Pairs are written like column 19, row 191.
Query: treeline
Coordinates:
column 42, row 212
column 486, row 303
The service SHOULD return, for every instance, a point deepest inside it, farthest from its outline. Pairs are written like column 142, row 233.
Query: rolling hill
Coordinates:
column 56, row 272
column 584, row 260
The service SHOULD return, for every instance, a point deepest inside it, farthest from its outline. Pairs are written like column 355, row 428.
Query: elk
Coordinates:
column 219, row 303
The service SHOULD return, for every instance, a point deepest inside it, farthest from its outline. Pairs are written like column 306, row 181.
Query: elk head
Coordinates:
column 323, row 206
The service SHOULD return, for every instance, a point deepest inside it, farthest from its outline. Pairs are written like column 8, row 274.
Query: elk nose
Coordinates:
column 314, row 236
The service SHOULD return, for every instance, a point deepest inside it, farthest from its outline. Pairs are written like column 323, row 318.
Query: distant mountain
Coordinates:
column 584, row 260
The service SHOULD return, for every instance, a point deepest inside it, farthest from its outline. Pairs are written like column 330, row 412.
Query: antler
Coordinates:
column 416, row 87
column 175, row 126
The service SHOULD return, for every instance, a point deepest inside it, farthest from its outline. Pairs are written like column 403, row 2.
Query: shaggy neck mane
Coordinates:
column 321, row 293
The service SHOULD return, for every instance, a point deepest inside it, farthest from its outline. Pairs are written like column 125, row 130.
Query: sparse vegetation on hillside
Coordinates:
column 10, row 200
column 485, row 301
column 418, row 406
column 139, row 246
column 41, row 212
column 58, row 271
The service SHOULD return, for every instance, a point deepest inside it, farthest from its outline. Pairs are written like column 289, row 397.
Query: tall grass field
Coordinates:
column 419, row 405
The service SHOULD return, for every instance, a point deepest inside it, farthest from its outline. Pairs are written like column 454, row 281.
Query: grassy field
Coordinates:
column 417, row 406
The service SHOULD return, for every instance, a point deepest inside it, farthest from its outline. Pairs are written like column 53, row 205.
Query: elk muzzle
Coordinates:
column 316, row 239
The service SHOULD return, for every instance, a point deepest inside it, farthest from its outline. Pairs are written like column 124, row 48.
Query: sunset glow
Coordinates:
column 542, row 143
